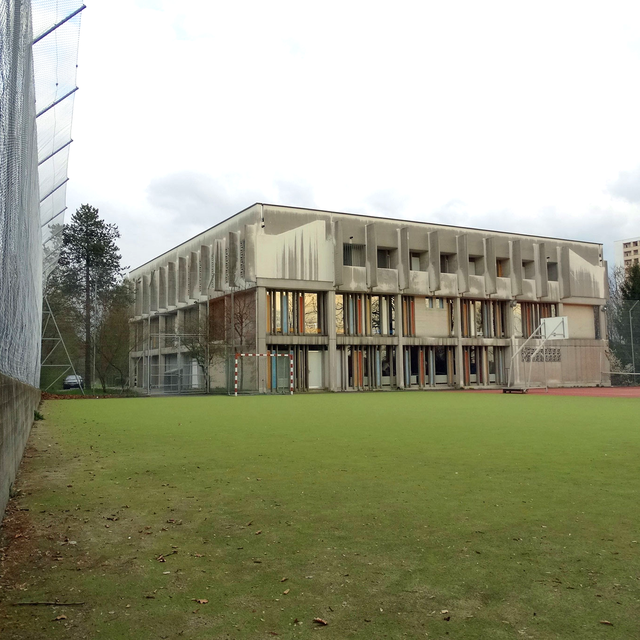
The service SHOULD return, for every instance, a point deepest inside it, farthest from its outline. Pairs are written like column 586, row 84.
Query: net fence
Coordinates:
column 38, row 61
column 20, row 245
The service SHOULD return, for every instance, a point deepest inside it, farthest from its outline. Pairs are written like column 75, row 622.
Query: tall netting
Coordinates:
column 20, row 245
column 37, row 81
column 56, row 31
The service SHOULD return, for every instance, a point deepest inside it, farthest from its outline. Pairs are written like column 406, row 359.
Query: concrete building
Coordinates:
column 626, row 252
column 364, row 303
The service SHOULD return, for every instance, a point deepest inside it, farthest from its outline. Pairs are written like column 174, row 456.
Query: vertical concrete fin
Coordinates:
column 462, row 249
column 250, row 249
column 542, row 273
column 205, row 268
column 162, row 288
column 182, row 279
column 338, row 253
column 145, row 294
column 172, row 284
column 194, row 275
column 404, row 263
column 371, row 261
column 138, row 304
column 565, row 273
column 490, row 267
column 218, row 265
column 434, row 261
column 515, row 258
column 153, row 291
column 233, row 256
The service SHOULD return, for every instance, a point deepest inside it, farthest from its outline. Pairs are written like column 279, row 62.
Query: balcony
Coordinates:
column 354, row 279
column 387, row 281
column 448, row 285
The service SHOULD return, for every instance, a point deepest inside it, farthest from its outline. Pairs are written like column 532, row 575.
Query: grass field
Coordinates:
column 388, row 515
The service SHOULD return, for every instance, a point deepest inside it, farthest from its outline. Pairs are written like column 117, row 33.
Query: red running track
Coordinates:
column 588, row 392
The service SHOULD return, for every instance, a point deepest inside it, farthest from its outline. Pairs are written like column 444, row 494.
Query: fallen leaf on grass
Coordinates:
column 258, row 532
column 198, row 555
column 62, row 617
column 200, row 600
column 324, row 623
column 444, row 611
column 284, row 579
column 161, row 558
column 606, row 622
column 285, row 592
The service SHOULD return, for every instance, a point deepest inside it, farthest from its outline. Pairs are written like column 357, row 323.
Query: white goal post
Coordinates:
column 267, row 355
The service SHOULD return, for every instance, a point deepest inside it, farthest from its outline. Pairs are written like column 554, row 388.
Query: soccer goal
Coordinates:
column 273, row 369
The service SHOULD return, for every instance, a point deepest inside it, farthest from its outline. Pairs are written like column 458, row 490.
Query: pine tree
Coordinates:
column 89, row 269
column 630, row 288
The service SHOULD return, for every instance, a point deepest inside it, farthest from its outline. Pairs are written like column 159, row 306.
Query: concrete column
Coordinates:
column 179, row 331
column 261, row 336
column 162, row 329
column 399, row 348
column 457, row 332
column 331, row 374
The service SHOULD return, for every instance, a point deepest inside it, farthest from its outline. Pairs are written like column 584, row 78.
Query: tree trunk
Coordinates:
column 87, row 327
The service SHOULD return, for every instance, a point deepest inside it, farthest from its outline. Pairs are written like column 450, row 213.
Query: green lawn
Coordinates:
column 391, row 515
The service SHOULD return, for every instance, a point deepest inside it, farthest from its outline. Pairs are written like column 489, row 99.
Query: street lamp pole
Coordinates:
column 633, row 357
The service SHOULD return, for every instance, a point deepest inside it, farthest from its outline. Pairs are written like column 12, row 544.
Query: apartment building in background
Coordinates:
column 626, row 252
column 364, row 303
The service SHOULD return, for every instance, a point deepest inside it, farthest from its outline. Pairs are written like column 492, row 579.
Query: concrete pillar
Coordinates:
column 162, row 328
column 261, row 336
column 399, row 348
column 457, row 332
column 331, row 364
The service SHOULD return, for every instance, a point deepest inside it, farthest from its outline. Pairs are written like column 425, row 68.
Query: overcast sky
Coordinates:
column 512, row 116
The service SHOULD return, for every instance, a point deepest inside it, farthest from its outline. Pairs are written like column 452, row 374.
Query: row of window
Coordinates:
column 354, row 255
column 295, row 312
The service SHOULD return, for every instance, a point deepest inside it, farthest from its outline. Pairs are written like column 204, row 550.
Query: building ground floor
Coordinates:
column 323, row 340
column 368, row 367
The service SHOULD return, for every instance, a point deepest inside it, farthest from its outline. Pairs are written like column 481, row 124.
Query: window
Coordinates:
column 635, row 252
column 552, row 271
column 627, row 253
column 447, row 263
column 627, row 262
column 626, row 245
column 502, row 268
column 353, row 255
column 635, row 243
column 408, row 316
column 483, row 318
column 527, row 317
column 475, row 266
column 384, row 259
column 295, row 312
column 414, row 260
column 529, row 269
column 365, row 315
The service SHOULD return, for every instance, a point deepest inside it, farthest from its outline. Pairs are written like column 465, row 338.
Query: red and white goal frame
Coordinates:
column 272, row 355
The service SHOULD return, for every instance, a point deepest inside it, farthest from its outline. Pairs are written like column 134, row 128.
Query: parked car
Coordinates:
column 73, row 382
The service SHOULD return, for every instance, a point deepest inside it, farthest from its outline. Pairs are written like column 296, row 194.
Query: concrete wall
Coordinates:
column 581, row 321
column 17, row 403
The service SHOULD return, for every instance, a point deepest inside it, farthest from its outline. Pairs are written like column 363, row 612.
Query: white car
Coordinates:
column 73, row 382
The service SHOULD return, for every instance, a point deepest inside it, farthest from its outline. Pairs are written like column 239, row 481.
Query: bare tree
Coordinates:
column 227, row 329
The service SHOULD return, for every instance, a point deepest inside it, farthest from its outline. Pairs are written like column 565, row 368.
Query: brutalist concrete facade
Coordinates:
column 367, row 303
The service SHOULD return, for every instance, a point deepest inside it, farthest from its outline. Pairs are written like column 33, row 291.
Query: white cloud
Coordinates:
column 527, row 114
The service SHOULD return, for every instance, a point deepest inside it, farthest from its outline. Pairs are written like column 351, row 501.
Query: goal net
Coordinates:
column 276, row 376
